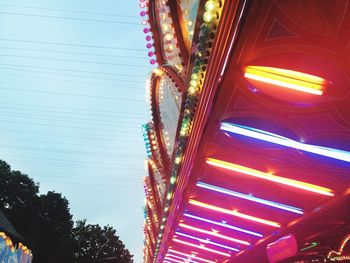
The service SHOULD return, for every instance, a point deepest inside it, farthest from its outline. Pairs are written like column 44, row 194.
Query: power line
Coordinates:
column 66, row 135
column 72, row 112
column 74, row 70
column 64, row 120
column 64, row 80
column 92, row 153
column 69, row 44
column 69, row 112
column 70, row 162
column 65, row 144
column 74, row 53
column 94, row 185
column 73, row 95
column 64, row 108
column 72, row 18
column 68, row 11
column 64, row 126
column 74, row 61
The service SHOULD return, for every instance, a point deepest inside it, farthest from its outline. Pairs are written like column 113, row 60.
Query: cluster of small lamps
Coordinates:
column 207, row 33
column 147, row 30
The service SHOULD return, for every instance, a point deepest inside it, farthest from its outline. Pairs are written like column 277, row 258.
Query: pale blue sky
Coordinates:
column 71, row 113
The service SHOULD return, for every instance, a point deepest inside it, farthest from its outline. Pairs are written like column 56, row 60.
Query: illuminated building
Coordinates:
column 249, row 142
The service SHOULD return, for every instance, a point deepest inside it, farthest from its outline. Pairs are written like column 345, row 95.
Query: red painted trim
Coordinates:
column 221, row 50
column 170, row 71
column 157, row 124
column 178, row 32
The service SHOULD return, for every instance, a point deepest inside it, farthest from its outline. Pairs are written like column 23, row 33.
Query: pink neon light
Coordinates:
column 192, row 256
column 213, row 233
column 235, row 213
column 201, row 247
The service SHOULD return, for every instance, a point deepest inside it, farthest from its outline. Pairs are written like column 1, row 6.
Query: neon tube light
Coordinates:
column 270, row 177
column 173, row 260
column 192, row 256
column 213, row 233
column 223, row 225
column 177, row 257
column 206, row 241
column 285, row 78
column 250, row 198
column 235, row 213
column 280, row 140
column 201, row 247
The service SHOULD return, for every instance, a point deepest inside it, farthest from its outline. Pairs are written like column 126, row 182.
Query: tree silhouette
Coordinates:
column 45, row 224
column 96, row 244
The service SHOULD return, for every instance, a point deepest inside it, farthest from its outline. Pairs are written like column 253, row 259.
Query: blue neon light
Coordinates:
column 277, row 139
column 250, row 198
column 223, row 225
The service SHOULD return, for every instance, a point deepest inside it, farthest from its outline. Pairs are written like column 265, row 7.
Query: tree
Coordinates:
column 96, row 244
column 44, row 221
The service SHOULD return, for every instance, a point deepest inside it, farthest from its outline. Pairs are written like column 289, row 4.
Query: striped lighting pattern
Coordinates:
column 235, row 213
column 250, row 198
column 191, row 256
column 222, row 224
column 270, row 177
column 286, row 78
column 213, row 233
column 206, row 241
column 171, row 256
column 280, row 140
column 189, row 244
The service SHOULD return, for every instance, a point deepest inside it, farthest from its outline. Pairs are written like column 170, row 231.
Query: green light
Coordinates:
column 313, row 244
column 172, row 179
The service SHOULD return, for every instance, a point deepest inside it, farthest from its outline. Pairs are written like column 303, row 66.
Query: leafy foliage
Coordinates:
column 95, row 244
column 45, row 223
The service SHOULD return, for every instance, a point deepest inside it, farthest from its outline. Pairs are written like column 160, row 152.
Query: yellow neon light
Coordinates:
column 270, row 177
column 212, row 233
column 234, row 213
column 286, row 78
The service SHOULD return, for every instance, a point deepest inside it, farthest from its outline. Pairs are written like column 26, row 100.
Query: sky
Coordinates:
column 72, row 102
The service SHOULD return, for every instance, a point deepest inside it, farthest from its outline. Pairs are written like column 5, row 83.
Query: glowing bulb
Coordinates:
column 211, row 5
column 209, row 16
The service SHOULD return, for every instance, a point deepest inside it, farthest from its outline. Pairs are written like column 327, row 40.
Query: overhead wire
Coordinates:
column 65, row 80
column 94, row 137
column 76, row 61
column 87, row 145
column 96, row 163
column 63, row 119
column 73, row 53
column 71, row 18
column 56, row 150
column 69, row 44
column 75, row 109
column 64, row 126
column 73, row 95
column 74, row 112
column 68, row 10
column 73, row 70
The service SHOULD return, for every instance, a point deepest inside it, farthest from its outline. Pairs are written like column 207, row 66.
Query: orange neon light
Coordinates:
column 270, row 177
column 213, row 233
column 193, row 256
column 341, row 248
column 201, row 247
column 286, row 78
column 234, row 213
